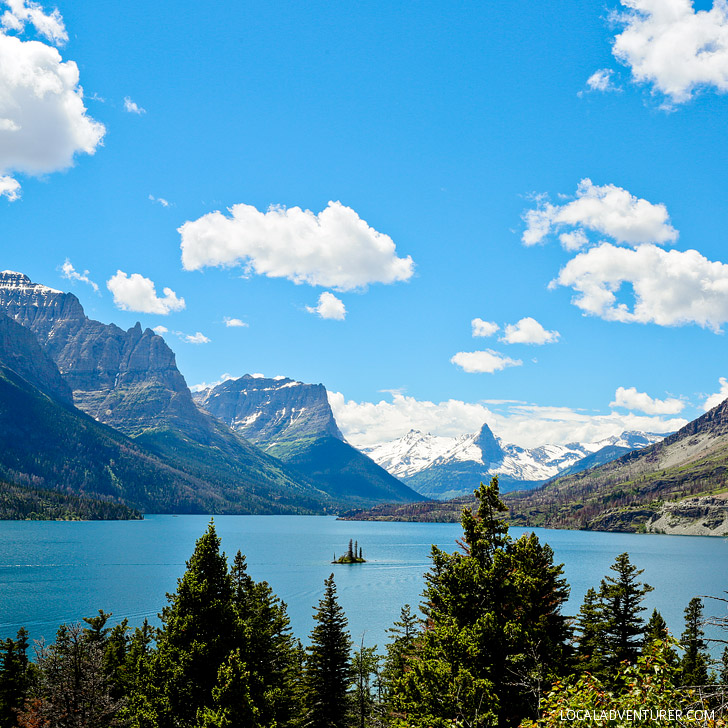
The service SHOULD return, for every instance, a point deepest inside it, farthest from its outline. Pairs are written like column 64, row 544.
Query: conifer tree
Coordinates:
column 656, row 628
column 591, row 649
column 723, row 673
column 403, row 633
column 14, row 677
column 494, row 636
column 694, row 663
column 328, row 672
column 621, row 598
column 197, row 633
column 365, row 665
column 267, row 648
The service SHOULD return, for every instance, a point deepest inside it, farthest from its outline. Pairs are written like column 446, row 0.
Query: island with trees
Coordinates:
column 353, row 555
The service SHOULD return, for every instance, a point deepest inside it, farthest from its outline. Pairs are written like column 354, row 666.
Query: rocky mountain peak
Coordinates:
column 489, row 445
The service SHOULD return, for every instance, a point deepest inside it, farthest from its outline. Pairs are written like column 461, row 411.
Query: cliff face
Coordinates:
column 21, row 353
column 126, row 379
column 272, row 413
column 293, row 421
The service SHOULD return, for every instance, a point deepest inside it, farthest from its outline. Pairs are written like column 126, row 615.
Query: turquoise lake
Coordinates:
column 55, row 572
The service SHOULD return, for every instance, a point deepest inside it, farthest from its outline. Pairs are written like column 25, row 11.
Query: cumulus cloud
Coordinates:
column 601, row 80
column 48, row 25
column 160, row 200
column 715, row 399
column 529, row 331
column 43, row 121
column 671, row 288
column 334, row 248
column 480, row 362
column 209, row 385
column 137, row 293
column 673, row 47
column 9, row 187
column 234, row 323
column 370, row 423
column 196, row 338
column 68, row 271
column 606, row 210
column 329, row 307
column 132, row 107
column 483, row 328
column 631, row 399
column 161, row 330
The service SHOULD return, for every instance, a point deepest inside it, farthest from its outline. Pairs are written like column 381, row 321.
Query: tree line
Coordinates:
column 492, row 647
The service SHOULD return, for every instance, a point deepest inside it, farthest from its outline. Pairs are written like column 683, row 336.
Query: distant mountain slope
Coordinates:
column 448, row 467
column 692, row 461
column 294, row 422
column 130, row 381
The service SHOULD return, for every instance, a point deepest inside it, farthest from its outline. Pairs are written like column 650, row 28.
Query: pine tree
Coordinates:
column 494, row 636
column 197, row 634
column 621, row 597
column 591, row 648
column 267, row 648
column 694, row 663
column 723, row 674
column 14, row 677
column 656, row 628
column 328, row 664
column 365, row 665
column 403, row 633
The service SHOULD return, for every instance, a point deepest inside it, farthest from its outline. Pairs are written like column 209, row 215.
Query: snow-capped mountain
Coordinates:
column 443, row 467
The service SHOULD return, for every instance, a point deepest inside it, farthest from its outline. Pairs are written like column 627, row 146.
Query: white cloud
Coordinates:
column 43, row 121
column 607, row 210
column 50, row 26
column 161, row 330
column 234, row 322
column 668, row 44
column 487, row 361
column 9, row 188
column 68, row 271
column 483, row 328
column 715, row 399
column 160, row 200
column 601, row 80
column 529, row 331
column 137, row 293
column 133, row 108
column 631, row 399
column 671, row 288
column 196, row 338
column 209, row 385
column 329, row 307
column 335, row 248
column 370, row 423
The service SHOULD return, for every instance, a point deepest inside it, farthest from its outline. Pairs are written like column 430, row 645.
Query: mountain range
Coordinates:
column 129, row 381
column 447, row 467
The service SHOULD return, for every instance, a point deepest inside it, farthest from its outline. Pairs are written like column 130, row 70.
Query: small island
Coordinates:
column 353, row 556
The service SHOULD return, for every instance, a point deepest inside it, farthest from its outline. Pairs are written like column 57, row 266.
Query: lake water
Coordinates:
column 55, row 572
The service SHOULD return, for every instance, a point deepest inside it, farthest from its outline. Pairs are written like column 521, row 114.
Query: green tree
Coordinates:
column 723, row 669
column 328, row 672
column 494, row 634
column 15, row 675
column 590, row 645
column 621, row 598
column 694, row 663
column 197, row 634
column 267, row 648
column 403, row 634
column 365, row 669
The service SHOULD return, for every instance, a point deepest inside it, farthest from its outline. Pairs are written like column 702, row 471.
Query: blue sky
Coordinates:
column 434, row 129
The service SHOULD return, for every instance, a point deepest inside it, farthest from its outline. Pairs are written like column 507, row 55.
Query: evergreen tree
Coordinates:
column 591, row 648
column 328, row 664
column 15, row 673
column 365, row 665
column 621, row 598
column 267, row 648
column 694, row 663
column 723, row 674
column 403, row 633
column 197, row 634
column 656, row 628
column 494, row 636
